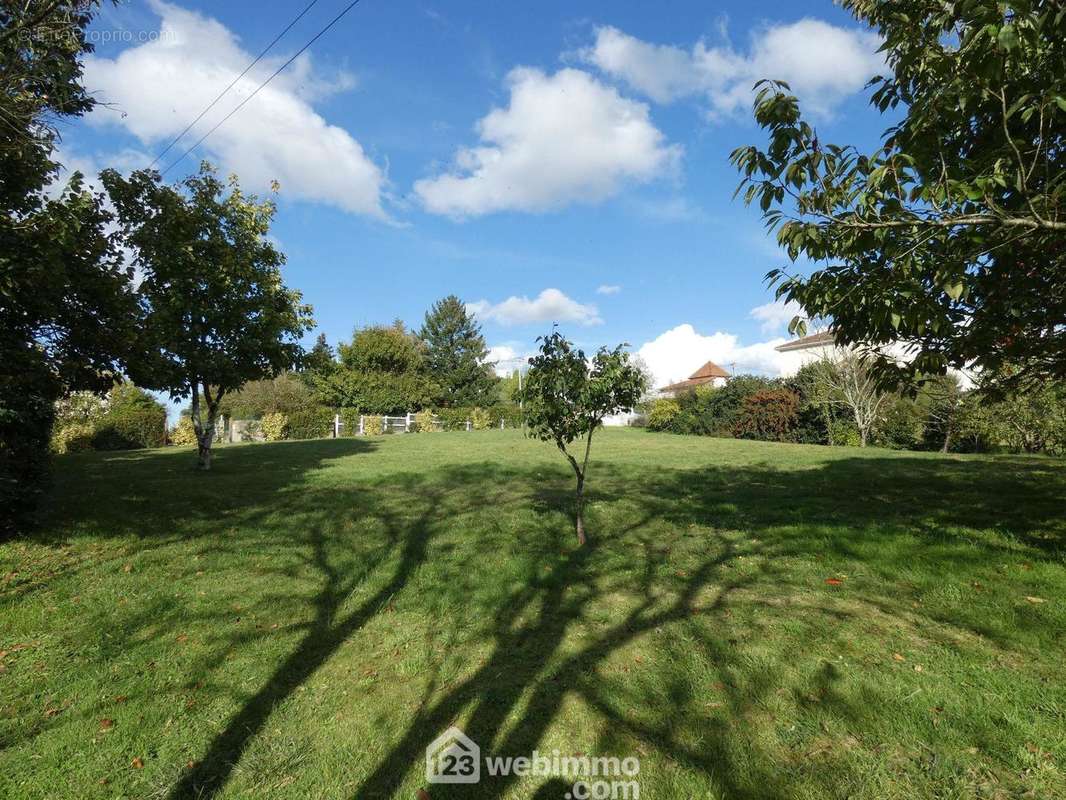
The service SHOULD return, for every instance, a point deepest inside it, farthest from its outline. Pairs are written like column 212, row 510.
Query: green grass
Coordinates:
column 303, row 621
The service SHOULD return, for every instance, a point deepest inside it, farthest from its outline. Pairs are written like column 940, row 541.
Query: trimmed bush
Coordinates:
column 424, row 422
column 768, row 415
column 134, row 419
column 480, row 419
column 73, row 438
column 315, row 422
column 843, row 433
column 373, row 425
column 273, row 426
column 662, row 413
column 183, row 434
column 349, row 421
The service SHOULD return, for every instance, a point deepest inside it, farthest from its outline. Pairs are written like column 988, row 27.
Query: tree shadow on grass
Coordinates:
column 675, row 554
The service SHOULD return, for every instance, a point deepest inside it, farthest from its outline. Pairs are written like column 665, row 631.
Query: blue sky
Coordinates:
column 545, row 162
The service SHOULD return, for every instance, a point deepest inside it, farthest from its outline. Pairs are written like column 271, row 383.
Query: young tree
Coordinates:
column 216, row 312
column 566, row 396
column 455, row 355
column 846, row 381
column 952, row 235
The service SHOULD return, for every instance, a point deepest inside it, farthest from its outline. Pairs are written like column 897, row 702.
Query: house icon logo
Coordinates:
column 453, row 757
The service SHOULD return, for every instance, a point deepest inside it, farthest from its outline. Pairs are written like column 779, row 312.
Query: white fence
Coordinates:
column 249, row 430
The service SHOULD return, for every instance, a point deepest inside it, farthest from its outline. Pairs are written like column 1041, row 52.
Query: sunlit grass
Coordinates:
column 750, row 620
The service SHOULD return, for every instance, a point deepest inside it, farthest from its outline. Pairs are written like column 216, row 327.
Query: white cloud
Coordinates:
column 677, row 353
column 551, row 305
column 564, row 138
column 608, row 288
column 776, row 315
column 823, row 64
column 162, row 85
column 507, row 358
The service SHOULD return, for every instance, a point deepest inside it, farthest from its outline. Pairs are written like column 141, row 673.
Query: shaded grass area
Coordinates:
column 750, row 621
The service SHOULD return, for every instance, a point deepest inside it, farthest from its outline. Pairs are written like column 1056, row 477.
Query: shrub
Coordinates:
column 480, row 419
column 73, row 438
column 768, row 415
column 134, row 419
column 273, row 426
column 454, row 419
column 662, row 413
column 424, row 422
column 315, row 422
column 903, row 425
column 283, row 394
column 509, row 414
column 373, row 425
column 843, row 433
column 349, row 421
column 183, row 434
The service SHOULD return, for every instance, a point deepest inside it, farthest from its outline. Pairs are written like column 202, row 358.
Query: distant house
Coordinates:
column 710, row 374
column 810, row 348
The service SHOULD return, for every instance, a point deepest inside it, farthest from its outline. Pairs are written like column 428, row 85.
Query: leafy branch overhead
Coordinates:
column 951, row 236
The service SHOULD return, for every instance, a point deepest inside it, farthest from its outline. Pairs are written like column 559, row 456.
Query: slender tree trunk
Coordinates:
column 947, row 436
column 205, row 431
column 579, row 523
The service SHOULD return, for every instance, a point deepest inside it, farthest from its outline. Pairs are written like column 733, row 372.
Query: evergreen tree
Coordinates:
column 320, row 360
column 455, row 355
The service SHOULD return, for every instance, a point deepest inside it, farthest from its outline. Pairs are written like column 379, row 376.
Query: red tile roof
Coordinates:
column 704, row 375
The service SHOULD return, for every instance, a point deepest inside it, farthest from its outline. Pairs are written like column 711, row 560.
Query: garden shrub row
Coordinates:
column 127, row 419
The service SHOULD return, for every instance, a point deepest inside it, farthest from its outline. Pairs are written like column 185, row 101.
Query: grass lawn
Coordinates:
column 750, row 620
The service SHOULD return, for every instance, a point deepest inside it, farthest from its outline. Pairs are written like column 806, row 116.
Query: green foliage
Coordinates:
column 455, row 353
column 217, row 314
column 134, row 419
column 314, row 422
column 282, row 394
column 843, row 433
column 349, row 421
column 74, row 438
column 903, row 425
column 183, row 433
column 768, row 414
column 424, row 422
column 381, row 371
column 662, row 413
column 950, row 235
column 480, row 419
column 1020, row 422
column 274, row 426
column 373, row 425
column 67, row 307
column 566, row 397
column 320, row 359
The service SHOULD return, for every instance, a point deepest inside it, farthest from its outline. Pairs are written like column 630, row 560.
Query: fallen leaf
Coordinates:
column 137, row 763
column 917, row 667
column 106, row 724
column 1035, row 600
column 121, row 698
column 423, row 794
column 183, row 638
column 127, row 568
column 833, row 581
column 898, row 657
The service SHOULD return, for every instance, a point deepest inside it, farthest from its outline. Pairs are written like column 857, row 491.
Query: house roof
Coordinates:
column 708, row 370
column 704, row 375
column 805, row 342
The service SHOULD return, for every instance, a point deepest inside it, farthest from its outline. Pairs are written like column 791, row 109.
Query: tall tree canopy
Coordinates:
column 381, row 371
column 216, row 311
column 455, row 355
column 952, row 234
column 66, row 301
column 566, row 397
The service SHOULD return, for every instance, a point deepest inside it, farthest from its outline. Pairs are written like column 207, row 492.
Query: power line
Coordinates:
column 277, row 72
column 232, row 83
